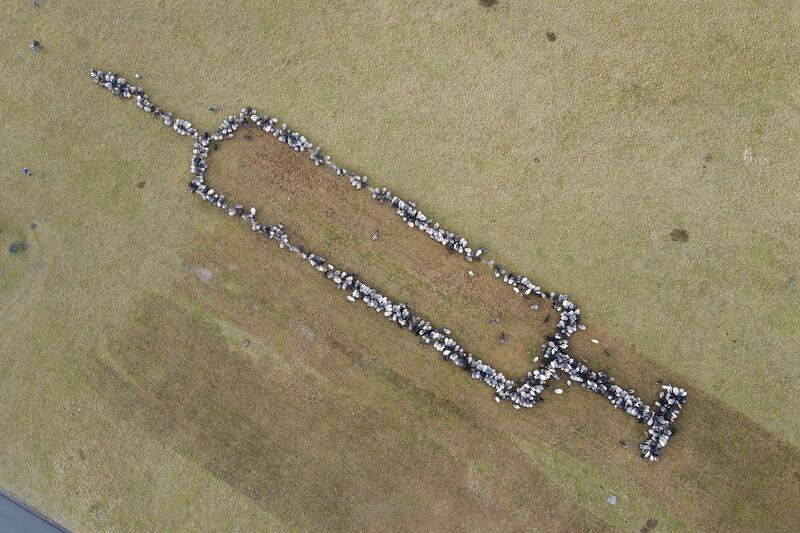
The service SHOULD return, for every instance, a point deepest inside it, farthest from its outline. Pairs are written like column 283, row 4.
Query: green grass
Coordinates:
column 636, row 117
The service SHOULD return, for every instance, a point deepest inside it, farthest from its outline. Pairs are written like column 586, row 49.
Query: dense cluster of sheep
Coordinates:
column 416, row 218
column 123, row 89
column 555, row 352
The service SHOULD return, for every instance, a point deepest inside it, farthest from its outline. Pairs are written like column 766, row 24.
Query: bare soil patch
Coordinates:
column 325, row 214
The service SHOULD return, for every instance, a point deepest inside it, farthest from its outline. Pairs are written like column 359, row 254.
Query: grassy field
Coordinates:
column 128, row 401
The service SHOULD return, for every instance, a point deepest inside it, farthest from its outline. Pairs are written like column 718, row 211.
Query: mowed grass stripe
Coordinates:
column 336, row 452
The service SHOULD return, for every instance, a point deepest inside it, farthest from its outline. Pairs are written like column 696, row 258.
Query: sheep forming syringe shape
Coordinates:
column 555, row 353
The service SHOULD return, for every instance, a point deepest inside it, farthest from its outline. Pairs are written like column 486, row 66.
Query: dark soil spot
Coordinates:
column 487, row 3
column 679, row 235
column 644, row 529
column 550, row 36
column 141, row 184
column 537, row 160
column 651, row 523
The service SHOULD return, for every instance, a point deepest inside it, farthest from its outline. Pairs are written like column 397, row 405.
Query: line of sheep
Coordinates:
column 555, row 353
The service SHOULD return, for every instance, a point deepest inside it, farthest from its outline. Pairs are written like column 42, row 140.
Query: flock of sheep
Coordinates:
column 555, row 353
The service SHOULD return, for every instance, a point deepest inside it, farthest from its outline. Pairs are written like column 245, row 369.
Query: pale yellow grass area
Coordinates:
column 573, row 160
